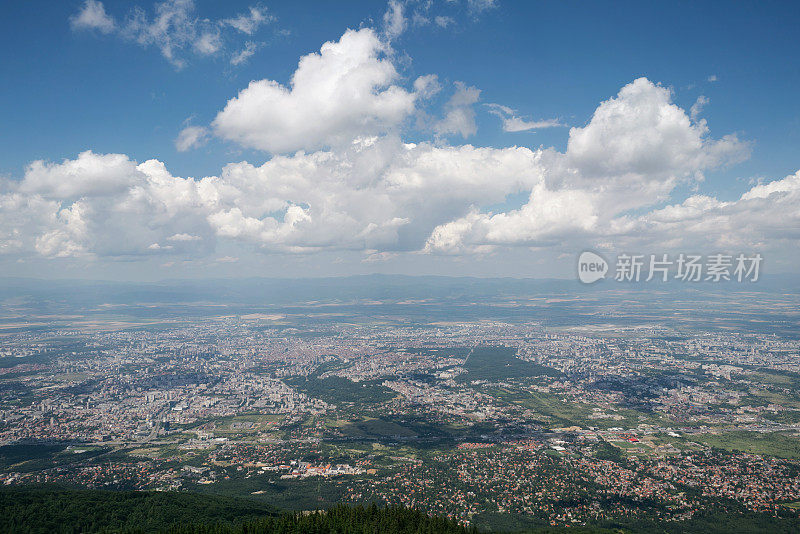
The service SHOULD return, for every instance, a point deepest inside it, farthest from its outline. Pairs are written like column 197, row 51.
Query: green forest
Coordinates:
column 47, row 510
column 34, row 510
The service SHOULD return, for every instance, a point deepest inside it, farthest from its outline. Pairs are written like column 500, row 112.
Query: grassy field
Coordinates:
column 298, row 494
column 776, row 378
column 376, row 428
column 551, row 407
column 770, row 444
column 36, row 457
column 559, row 413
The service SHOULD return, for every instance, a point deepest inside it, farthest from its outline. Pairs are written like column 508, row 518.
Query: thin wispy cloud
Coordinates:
column 175, row 29
column 513, row 123
column 698, row 106
column 250, row 22
column 93, row 16
column 243, row 55
column 191, row 137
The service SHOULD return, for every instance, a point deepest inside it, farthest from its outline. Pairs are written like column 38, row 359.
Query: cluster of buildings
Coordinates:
column 615, row 431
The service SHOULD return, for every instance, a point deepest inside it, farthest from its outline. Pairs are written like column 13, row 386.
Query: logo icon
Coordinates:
column 591, row 267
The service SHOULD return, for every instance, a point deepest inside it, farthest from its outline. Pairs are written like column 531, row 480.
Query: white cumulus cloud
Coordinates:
column 344, row 91
column 459, row 116
column 382, row 197
column 633, row 152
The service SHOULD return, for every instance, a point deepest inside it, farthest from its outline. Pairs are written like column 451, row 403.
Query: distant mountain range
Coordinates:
column 354, row 288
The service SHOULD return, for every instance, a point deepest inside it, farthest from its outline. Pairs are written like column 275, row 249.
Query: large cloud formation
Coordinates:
column 637, row 147
column 354, row 184
column 344, row 91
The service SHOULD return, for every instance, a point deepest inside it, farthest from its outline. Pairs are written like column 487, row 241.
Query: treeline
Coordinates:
column 48, row 510
column 338, row 519
column 34, row 510
column 66, row 511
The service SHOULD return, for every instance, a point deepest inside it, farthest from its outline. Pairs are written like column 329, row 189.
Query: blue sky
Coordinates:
column 72, row 87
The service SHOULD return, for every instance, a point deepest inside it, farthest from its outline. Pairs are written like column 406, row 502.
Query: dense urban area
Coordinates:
column 487, row 422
